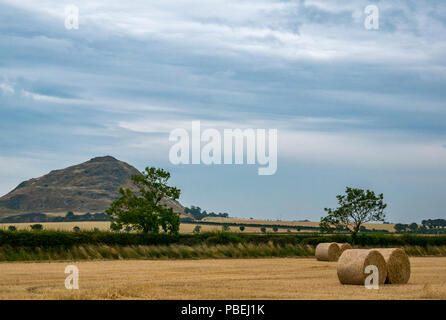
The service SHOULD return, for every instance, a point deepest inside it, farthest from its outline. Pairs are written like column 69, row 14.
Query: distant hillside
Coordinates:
column 87, row 187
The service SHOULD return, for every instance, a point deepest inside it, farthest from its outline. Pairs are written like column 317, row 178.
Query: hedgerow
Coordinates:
column 48, row 238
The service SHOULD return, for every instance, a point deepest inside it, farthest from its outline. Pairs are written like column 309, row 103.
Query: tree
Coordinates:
column 355, row 208
column 400, row 228
column 199, row 215
column 197, row 229
column 76, row 229
column 413, row 227
column 242, row 228
column 36, row 227
column 143, row 211
column 226, row 227
column 275, row 229
column 12, row 228
column 263, row 229
column 422, row 229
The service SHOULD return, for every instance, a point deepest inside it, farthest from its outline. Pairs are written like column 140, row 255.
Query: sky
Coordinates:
column 352, row 106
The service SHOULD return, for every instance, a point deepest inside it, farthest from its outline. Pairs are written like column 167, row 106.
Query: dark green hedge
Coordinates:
column 378, row 239
column 68, row 239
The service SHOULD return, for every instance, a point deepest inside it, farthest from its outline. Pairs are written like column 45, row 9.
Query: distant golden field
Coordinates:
column 188, row 228
column 275, row 278
column 377, row 226
column 60, row 226
column 104, row 226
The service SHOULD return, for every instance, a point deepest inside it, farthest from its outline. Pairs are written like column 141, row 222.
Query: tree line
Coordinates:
column 430, row 226
column 196, row 212
column 50, row 238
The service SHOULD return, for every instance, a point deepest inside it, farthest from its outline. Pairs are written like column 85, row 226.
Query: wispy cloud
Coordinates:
column 340, row 95
column 6, row 88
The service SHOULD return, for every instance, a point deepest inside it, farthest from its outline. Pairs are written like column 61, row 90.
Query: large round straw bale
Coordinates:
column 352, row 264
column 344, row 246
column 398, row 265
column 327, row 251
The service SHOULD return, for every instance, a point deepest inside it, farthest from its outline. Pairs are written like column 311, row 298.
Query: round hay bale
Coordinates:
column 328, row 251
column 344, row 246
column 398, row 265
column 352, row 264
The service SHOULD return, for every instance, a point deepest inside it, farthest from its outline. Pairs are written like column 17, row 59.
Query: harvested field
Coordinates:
column 377, row 226
column 189, row 227
column 286, row 278
column 105, row 226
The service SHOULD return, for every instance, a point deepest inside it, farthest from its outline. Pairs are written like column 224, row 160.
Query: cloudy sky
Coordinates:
column 352, row 106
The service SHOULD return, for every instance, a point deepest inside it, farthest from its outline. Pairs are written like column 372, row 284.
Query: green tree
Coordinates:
column 275, row 229
column 197, row 229
column 226, row 227
column 76, row 229
column 242, row 228
column 356, row 207
column 143, row 211
column 422, row 229
column 263, row 229
column 400, row 228
column 413, row 227
column 12, row 228
column 36, row 227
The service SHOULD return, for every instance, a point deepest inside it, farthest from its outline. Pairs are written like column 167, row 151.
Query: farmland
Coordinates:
column 189, row 227
column 272, row 278
column 105, row 226
column 377, row 226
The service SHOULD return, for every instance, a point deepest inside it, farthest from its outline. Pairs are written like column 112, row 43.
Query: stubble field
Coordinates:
column 189, row 227
column 105, row 226
column 285, row 278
